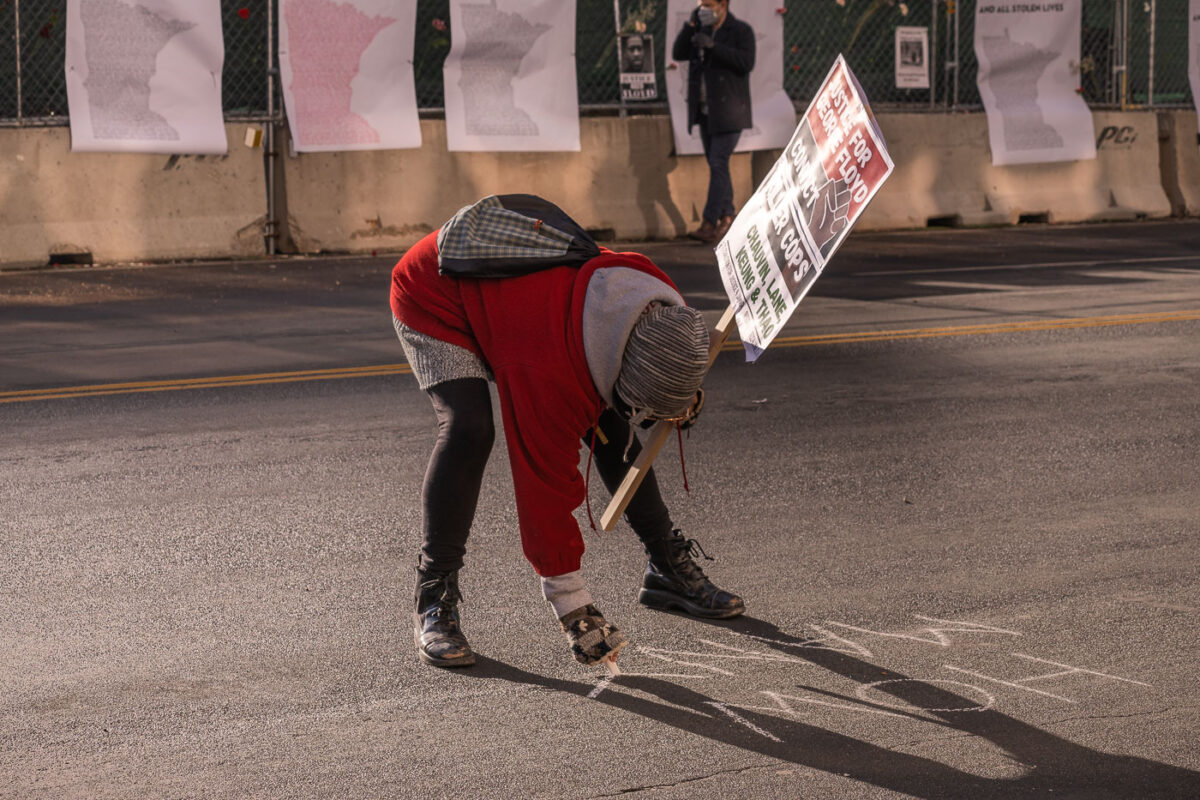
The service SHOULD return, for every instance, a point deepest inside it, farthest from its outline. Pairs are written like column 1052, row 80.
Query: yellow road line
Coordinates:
column 976, row 330
column 258, row 379
column 264, row 378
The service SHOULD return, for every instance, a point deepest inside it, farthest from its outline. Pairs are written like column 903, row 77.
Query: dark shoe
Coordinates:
column 436, row 632
column 705, row 233
column 592, row 638
column 722, row 228
column 674, row 580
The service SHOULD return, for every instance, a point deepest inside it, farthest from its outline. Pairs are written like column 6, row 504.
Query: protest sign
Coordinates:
column 144, row 76
column 912, row 58
column 347, row 70
column 509, row 79
column 1194, row 52
column 789, row 229
column 782, row 239
column 1028, row 78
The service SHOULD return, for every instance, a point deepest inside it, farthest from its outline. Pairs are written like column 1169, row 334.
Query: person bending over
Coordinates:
column 581, row 346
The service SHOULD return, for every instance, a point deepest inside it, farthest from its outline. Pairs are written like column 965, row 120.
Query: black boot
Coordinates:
column 439, row 640
column 674, row 580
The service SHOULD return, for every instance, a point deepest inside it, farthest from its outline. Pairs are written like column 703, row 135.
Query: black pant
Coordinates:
column 455, row 473
column 718, row 149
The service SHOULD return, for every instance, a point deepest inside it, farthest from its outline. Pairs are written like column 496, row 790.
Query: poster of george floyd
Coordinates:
column 802, row 211
column 638, row 81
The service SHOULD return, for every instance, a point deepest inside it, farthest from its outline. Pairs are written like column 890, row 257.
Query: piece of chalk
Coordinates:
column 612, row 667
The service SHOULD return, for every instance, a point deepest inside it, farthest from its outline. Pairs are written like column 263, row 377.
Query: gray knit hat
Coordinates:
column 665, row 360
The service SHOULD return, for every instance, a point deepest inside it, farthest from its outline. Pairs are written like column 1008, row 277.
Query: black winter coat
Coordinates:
column 725, row 69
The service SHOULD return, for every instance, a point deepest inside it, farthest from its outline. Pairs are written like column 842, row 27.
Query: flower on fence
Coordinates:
column 1083, row 66
column 244, row 13
column 781, row 10
column 438, row 40
column 637, row 18
column 904, row 9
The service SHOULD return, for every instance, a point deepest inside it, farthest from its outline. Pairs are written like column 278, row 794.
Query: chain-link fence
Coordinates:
column 248, row 27
column 32, row 82
column 1133, row 53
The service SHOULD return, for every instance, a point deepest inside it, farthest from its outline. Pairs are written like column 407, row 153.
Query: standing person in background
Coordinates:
column 719, row 49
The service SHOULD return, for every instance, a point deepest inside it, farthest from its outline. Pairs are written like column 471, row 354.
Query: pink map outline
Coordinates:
column 326, row 41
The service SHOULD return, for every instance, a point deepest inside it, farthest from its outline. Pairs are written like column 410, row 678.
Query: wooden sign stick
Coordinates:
column 658, row 437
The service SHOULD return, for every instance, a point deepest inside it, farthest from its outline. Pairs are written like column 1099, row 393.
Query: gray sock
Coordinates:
column 566, row 592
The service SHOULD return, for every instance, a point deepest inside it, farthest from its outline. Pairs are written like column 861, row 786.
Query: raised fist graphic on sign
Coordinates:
column 830, row 211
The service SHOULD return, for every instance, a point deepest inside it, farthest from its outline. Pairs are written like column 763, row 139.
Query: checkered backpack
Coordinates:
column 507, row 235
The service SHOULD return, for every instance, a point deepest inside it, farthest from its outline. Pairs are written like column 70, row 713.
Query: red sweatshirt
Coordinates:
column 529, row 331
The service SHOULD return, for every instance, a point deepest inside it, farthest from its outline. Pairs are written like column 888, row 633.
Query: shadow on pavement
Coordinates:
column 1053, row 763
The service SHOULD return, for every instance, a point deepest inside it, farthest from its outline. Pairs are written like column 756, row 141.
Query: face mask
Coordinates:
column 707, row 16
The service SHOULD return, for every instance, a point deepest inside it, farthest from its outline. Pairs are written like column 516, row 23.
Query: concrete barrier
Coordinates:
column 126, row 207
column 944, row 173
column 625, row 180
column 1180, row 145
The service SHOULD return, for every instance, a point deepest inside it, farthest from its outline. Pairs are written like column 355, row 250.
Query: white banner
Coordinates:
column 781, row 241
column 772, row 109
column 912, row 58
column 347, row 74
column 144, row 76
column 510, row 76
column 1194, row 53
column 1029, row 80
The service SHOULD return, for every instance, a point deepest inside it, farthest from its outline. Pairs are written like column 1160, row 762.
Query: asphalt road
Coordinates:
column 959, row 495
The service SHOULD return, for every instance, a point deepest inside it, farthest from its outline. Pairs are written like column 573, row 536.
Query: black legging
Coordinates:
column 646, row 513
column 455, row 473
